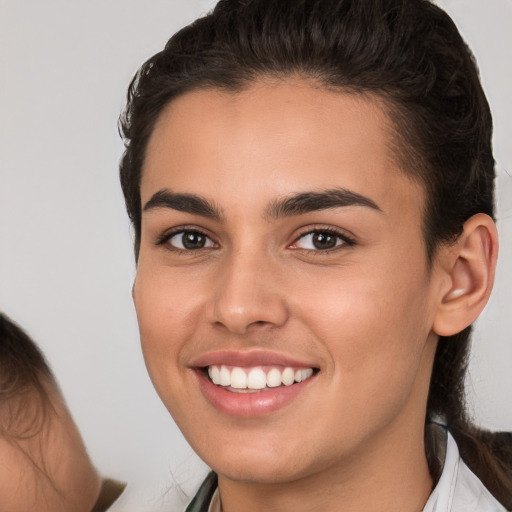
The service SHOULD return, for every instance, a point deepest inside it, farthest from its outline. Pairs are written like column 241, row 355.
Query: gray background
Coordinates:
column 66, row 265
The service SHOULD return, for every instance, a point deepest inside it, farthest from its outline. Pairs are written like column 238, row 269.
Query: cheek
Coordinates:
column 166, row 313
column 374, row 325
column 166, row 302
column 375, row 357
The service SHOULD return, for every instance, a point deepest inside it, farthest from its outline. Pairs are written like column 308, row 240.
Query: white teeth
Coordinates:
column 274, row 378
column 214, row 374
column 288, row 377
column 306, row 373
column 256, row 378
column 238, row 378
column 225, row 376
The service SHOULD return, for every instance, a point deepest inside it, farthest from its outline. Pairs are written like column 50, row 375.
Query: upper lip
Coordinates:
column 248, row 358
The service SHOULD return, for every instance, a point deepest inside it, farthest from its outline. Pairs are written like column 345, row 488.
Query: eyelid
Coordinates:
column 348, row 240
column 164, row 238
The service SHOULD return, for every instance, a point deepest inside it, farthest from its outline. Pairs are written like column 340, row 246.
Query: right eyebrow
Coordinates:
column 306, row 202
column 188, row 203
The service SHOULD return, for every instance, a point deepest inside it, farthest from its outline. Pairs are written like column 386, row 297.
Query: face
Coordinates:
column 283, row 296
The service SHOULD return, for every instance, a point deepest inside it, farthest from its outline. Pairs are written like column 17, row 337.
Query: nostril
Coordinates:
column 259, row 324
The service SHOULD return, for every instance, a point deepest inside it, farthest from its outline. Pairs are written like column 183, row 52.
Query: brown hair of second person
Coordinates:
column 44, row 461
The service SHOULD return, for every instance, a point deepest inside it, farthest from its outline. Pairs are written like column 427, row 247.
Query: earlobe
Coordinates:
column 469, row 267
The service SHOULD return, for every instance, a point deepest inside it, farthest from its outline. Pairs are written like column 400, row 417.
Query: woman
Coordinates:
column 311, row 187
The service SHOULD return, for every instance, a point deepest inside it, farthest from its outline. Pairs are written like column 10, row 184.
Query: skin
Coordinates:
column 48, row 470
column 361, row 313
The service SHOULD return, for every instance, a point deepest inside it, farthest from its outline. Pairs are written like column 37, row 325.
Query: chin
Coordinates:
column 257, row 464
column 250, row 473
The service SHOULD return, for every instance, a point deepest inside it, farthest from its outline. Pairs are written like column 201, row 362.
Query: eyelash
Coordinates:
column 167, row 236
column 343, row 240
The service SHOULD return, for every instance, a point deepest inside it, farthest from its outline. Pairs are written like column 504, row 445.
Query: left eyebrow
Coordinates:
column 307, row 202
column 189, row 203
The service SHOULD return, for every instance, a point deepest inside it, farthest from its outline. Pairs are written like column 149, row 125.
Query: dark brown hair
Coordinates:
column 409, row 54
column 25, row 405
column 24, row 400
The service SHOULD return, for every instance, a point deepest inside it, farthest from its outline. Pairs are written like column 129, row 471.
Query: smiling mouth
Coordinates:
column 256, row 379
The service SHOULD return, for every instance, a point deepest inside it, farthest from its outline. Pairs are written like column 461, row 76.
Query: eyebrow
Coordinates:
column 306, row 202
column 188, row 203
column 297, row 204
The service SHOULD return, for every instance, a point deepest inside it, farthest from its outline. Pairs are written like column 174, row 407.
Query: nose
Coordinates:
column 247, row 295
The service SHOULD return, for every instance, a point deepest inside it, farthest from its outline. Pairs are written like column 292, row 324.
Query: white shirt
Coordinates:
column 459, row 489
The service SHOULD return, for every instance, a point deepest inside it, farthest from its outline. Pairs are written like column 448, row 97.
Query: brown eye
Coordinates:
column 190, row 241
column 324, row 240
column 321, row 240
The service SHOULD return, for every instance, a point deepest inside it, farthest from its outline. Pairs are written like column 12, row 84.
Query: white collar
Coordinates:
column 459, row 489
column 215, row 502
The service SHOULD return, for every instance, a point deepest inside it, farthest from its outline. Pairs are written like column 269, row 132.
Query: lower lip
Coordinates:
column 250, row 404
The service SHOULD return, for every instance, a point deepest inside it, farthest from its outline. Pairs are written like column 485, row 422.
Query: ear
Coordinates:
column 468, row 268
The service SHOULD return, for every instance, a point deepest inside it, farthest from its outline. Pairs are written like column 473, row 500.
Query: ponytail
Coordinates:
column 487, row 454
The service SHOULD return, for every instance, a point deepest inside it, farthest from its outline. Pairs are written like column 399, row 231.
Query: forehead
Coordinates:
column 275, row 138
